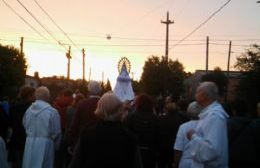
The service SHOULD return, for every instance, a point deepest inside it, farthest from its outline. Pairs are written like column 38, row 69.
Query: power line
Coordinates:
column 203, row 23
column 56, row 24
column 41, row 24
column 17, row 14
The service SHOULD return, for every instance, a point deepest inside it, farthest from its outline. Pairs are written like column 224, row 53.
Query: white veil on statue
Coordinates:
column 123, row 88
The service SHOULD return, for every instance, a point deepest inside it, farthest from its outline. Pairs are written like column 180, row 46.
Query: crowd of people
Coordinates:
column 96, row 131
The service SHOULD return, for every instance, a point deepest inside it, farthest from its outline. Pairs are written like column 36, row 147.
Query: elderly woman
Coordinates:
column 182, row 157
column 108, row 143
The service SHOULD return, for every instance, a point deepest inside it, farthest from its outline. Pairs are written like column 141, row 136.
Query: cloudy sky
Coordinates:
column 135, row 29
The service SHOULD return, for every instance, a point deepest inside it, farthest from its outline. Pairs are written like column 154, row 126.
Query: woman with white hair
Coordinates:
column 182, row 156
column 109, row 143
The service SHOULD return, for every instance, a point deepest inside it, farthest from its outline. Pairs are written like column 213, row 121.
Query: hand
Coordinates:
column 190, row 133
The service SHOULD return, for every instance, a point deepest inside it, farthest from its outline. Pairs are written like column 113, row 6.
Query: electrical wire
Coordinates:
column 45, row 28
column 200, row 25
column 53, row 21
column 17, row 14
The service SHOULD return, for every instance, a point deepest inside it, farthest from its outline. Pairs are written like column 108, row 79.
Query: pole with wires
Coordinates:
column 83, row 65
column 68, row 55
column 228, row 65
column 21, row 46
column 207, row 54
column 167, row 22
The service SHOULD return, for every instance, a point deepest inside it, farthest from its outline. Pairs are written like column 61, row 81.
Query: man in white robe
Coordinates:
column 42, row 126
column 209, row 142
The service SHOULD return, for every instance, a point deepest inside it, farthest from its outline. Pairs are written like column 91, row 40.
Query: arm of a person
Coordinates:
column 74, row 128
column 178, row 147
column 56, row 129
column 177, row 158
column 208, row 147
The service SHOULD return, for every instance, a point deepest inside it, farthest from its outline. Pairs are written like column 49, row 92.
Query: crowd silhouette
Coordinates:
column 96, row 131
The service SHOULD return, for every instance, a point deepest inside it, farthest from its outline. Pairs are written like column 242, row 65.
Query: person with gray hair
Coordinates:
column 209, row 141
column 182, row 156
column 84, row 115
column 42, row 125
column 94, row 88
column 108, row 143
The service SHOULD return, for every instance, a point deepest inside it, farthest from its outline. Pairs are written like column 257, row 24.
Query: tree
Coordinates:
column 12, row 71
column 159, row 78
column 249, row 64
column 218, row 77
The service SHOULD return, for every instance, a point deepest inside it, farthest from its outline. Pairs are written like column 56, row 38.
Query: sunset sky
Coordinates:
column 136, row 33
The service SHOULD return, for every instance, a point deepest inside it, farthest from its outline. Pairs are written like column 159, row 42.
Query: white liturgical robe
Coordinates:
column 42, row 126
column 209, row 144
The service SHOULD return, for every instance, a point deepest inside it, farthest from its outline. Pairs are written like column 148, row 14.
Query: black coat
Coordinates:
column 144, row 125
column 108, row 144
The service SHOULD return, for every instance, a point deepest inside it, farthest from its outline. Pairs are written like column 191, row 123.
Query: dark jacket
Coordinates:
column 168, row 126
column 144, row 126
column 243, row 142
column 84, row 117
column 108, row 144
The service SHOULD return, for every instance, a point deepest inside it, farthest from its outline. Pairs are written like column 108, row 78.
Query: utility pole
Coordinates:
column 83, row 66
column 21, row 46
column 89, row 77
column 229, row 53
column 167, row 22
column 68, row 70
column 207, row 55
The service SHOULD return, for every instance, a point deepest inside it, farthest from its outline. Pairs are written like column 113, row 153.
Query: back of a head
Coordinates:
column 172, row 107
column 67, row 92
column 42, row 93
column 77, row 99
column 144, row 103
column 94, row 88
column 210, row 90
column 109, row 107
column 26, row 92
column 194, row 110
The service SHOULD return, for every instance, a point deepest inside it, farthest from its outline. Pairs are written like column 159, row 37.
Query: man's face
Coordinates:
column 200, row 96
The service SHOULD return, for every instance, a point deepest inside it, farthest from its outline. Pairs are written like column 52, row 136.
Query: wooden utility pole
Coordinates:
column 68, row 70
column 228, row 64
column 207, row 55
column 167, row 22
column 83, row 66
column 21, row 46
column 89, row 77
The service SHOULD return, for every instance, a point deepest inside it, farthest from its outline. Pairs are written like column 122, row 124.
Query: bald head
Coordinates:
column 42, row 93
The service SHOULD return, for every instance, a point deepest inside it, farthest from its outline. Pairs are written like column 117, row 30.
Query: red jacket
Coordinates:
column 61, row 105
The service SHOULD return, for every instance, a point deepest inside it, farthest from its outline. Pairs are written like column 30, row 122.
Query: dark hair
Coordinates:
column 144, row 103
column 26, row 92
column 67, row 92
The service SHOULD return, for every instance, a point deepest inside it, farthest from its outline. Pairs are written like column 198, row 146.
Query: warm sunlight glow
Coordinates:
column 134, row 29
